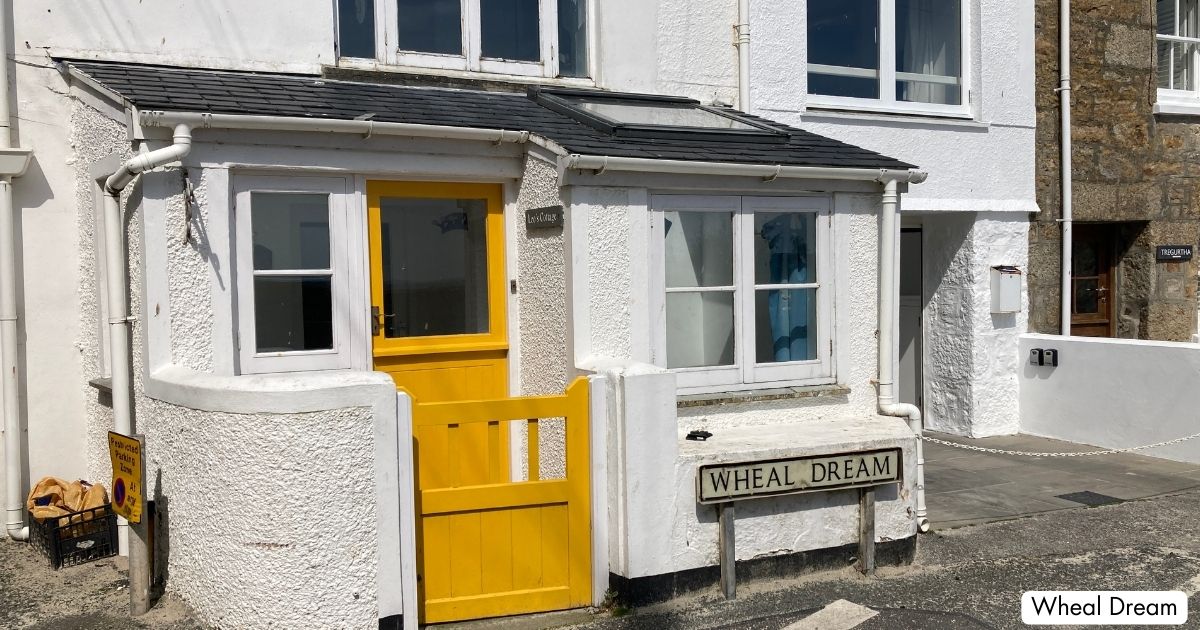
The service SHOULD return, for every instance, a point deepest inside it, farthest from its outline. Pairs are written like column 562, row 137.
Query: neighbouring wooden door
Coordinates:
column 1092, row 281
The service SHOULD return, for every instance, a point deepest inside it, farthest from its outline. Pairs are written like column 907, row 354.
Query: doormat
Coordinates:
column 1091, row 499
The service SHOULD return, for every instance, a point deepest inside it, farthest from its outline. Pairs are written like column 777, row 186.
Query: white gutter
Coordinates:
column 889, row 263
column 367, row 128
column 741, row 34
column 116, row 272
column 602, row 163
column 13, row 163
column 1064, row 106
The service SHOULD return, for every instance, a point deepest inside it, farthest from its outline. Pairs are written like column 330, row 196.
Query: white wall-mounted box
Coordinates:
column 1006, row 289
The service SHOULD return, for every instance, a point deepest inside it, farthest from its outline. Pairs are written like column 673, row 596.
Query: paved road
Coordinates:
column 973, row 577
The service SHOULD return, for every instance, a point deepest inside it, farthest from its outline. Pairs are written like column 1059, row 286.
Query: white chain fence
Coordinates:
column 1111, row 451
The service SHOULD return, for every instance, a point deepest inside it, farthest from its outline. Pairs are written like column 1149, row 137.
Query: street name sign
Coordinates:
column 719, row 483
column 128, row 475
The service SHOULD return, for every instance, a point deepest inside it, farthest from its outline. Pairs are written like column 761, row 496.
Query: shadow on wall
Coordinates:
column 161, row 551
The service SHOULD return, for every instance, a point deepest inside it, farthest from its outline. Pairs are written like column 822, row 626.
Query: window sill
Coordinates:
column 376, row 72
column 104, row 384
column 819, row 113
column 1176, row 108
column 868, row 106
column 760, row 395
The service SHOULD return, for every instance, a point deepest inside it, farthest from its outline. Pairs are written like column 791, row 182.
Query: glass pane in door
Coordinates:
column 434, row 266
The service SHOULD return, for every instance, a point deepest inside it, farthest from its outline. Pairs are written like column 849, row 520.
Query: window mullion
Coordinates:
column 386, row 24
column 548, row 30
column 472, row 41
column 887, row 52
column 743, row 234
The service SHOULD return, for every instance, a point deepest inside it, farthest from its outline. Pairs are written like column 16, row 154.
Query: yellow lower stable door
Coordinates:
column 488, row 545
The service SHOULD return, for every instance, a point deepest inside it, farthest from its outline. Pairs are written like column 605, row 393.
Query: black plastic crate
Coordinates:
column 76, row 538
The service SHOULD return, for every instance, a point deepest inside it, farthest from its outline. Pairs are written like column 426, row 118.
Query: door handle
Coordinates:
column 377, row 319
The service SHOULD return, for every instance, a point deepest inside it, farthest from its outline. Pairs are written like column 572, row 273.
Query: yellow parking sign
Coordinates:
column 128, row 475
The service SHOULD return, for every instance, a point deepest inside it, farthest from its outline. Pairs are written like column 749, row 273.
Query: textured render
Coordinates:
column 188, row 271
column 971, row 354
column 788, row 524
column 270, row 518
column 695, row 52
column 1129, row 166
column 542, row 300
column 250, row 34
column 93, row 136
column 609, row 273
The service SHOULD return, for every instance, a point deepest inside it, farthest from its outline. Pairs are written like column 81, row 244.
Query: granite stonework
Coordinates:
column 1131, row 168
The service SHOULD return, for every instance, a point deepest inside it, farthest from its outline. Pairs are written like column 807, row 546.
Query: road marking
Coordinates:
column 840, row 615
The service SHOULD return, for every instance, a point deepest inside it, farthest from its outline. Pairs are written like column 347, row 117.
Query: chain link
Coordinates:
column 1000, row 451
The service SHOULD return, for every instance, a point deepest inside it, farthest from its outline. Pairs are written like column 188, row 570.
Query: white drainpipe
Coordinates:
column 1064, row 100
column 742, row 41
column 116, row 272
column 889, row 236
column 14, row 162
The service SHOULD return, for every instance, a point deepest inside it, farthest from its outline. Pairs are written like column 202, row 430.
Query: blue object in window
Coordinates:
column 788, row 309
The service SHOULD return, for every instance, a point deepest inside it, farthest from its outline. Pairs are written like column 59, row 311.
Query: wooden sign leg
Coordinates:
column 727, row 551
column 866, row 531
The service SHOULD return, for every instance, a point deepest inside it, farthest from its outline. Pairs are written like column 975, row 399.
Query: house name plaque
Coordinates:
column 1173, row 253
column 719, row 483
column 543, row 218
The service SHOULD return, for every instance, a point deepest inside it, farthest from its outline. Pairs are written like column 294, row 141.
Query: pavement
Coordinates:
column 965, row 487
column 93, row 596
column 970, row 578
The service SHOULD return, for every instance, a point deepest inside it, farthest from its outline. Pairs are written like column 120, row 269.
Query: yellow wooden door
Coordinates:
column 438, row 305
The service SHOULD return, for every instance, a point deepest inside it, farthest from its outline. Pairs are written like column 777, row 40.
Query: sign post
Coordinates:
column 129, row 483
column 722, row 484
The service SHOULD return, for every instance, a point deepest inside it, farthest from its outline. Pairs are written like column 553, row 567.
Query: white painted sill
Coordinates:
column 1176, row 108
column 371, row 65
column 759, row 395
column 838, row 114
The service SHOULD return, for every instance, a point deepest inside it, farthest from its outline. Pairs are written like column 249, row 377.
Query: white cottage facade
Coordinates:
column 313, row 216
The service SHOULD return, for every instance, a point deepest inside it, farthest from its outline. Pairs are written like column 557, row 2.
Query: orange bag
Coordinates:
column 53, row 497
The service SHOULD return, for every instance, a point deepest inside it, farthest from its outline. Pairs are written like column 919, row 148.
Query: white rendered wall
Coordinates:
column 970, row 366
column 1114, row 393
column 296, row 36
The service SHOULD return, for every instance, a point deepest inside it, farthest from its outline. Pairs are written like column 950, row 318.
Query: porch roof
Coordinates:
column 175, row 89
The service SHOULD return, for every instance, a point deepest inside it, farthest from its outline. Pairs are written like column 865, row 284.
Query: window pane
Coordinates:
column 1086, row 296
column 572, row 38
column 293, row 313
column 432, row 26
column 843, row 48
column 699, row 329
column 1181, row 65
column 356, row 28
column 785, row 325
column 509, row 29
column 785, row 248
column 434, row 266
column 659, row 114
column 928, row 51
column 699, row 249
column 1166, row 16
column 1164, row 64
column 290, row 230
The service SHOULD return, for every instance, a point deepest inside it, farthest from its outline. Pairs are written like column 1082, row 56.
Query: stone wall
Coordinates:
column 1130, row 166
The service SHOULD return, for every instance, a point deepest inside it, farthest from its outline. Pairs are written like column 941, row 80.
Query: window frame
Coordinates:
column 887, row 74
column 471, row 60
column 340, row 191
column 1169, row 94
column 746, row 373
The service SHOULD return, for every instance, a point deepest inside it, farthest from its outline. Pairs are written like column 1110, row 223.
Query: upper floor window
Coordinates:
column 889, row 54
column 1178, row 47
column 544, row 38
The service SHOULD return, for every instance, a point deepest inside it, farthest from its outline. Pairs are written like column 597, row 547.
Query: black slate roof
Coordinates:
column 150, row 87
